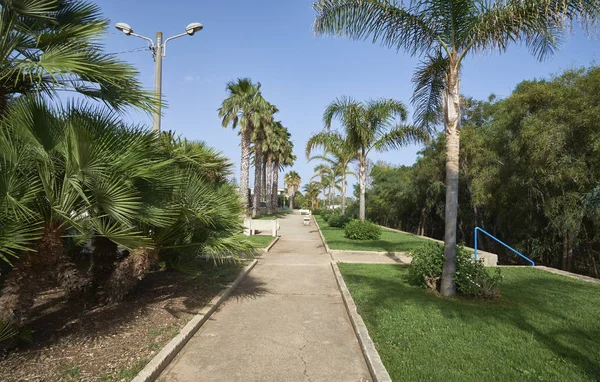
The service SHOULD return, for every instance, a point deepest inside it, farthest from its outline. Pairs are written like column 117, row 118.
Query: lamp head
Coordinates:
column 193, row 28
column 125, row 28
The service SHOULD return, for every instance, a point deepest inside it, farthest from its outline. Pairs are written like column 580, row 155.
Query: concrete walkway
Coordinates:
column 285, row 322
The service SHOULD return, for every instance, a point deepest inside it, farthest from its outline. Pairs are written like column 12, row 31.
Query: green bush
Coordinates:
column 426, row 266
column 336, row 220
column 318, row 211
column 471, row 277
column 359, row 230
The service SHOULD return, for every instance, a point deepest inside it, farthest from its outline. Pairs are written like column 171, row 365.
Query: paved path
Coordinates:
column 285, row 322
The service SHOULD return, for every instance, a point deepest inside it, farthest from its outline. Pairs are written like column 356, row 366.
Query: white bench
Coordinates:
column 261, row 227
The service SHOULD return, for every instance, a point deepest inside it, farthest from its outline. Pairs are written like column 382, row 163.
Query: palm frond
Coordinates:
column 429, row 80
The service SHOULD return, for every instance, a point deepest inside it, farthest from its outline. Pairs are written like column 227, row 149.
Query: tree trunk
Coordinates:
column 362, row 173
column 245, row 169
column 103, row 261
column 32, row 273
column 292, row 200
column 257, row 177
column 451, row 104
column 263, row 178
column 274, row 186
column 128, row 272
column 344, row 193
column 421, row 229
column 269, row 185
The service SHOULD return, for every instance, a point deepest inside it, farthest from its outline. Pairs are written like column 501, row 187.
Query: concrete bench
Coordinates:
column 261, row 227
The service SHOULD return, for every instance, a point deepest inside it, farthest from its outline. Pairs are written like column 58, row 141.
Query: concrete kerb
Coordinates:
column 265, row 250
column 153, row 369
column 376, row 367
column 372, row 358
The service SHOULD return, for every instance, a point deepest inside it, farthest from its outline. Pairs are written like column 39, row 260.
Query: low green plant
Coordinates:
column 426, row 265
column 362, row 230
column 339, row 221
column 471, row 277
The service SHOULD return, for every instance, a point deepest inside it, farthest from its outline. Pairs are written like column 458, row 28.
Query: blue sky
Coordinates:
column 271, row 41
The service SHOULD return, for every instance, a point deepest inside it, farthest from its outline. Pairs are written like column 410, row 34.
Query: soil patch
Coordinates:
column 77, row 341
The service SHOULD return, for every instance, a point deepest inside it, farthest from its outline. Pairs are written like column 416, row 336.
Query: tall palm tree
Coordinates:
column 374, row 125
column 327, row 176
column 239, row 109
column 284, row 157
column 443, row 33
column 260, row 132
column 312, row 191
column 337, row 153
column 52, row 46
column 292, row 180
column 277, row 145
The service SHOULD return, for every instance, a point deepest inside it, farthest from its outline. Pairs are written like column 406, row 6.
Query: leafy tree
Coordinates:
column 337, row 153
column 443, row 33
column 292, row 180
column 51, row 47
column 371, row 126
column 243, row 108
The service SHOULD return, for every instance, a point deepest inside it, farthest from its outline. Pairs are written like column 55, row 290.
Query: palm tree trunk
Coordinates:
column 269, row 185
column 344, row 193
column 292, row 201
column 274, row 191
column 263, row 178
column 245, row 169
column 451, row 105
column 128, row 272
column 34, row 272
column 363, row 184
column 257, row 178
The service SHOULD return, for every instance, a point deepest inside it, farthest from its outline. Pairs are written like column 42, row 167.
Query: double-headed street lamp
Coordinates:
column 159, row 50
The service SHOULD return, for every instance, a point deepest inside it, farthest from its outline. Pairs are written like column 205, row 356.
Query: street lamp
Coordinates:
column 159, row 51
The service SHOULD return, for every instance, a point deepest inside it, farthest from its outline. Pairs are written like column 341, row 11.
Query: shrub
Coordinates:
column 339, row 221
column 426, row 266
column 359, row 230
column 318, row 211
column 471, row 277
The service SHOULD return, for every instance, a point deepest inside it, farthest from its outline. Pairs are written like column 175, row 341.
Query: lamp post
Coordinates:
column 159, row 51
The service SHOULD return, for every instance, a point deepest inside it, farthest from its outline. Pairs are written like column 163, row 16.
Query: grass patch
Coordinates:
column 127, row 373
column 259, row 241
column 544, row 327
column 390, row 241
column 276, row 215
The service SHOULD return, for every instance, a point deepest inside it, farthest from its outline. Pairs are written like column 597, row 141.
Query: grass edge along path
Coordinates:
column 390, row 241
column 544, row 327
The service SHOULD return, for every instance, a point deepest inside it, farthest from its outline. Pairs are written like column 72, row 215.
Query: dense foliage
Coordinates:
column 362, row 230
column 529, row 174
column 82, row 190
column 338, row 220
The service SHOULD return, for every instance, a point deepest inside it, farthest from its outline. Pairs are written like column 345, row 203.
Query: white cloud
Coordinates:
column 188, row 78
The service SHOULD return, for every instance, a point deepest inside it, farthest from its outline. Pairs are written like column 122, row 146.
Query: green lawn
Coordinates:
column 276, row 215
column 390, row 241
column 544, row 327
column 259, row 241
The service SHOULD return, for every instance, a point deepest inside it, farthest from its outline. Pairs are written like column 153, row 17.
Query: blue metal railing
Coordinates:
column 477, row 229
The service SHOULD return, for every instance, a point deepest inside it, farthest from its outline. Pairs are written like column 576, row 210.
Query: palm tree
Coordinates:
column 443, row 33
column 372, row 125
column 240, row 109
column 277, row 151
column 327, row 179
column 337, row 153
column 65, row 173
column 292, row 180
column 261, row 131
column 49, row 47
column 284, row 157
column 312, row 191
